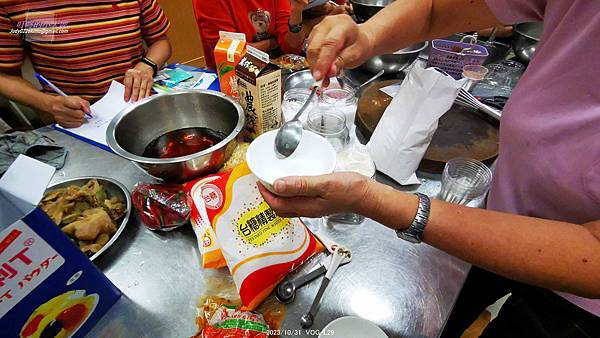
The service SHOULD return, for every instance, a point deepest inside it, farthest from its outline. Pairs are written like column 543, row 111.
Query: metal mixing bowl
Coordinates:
column 365, row 9
column 138, row 125
column 526, row 38
column 394, row 63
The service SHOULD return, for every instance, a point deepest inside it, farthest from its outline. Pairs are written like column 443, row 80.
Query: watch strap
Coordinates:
column 151, row 64
column 414, row 233
column 295, row 28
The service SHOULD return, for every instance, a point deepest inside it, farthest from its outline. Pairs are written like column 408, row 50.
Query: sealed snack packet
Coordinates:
column 161, row 206
column 259, row 247
column 228, row 322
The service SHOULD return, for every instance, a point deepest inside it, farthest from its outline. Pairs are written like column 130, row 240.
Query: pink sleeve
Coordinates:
column 515, row 11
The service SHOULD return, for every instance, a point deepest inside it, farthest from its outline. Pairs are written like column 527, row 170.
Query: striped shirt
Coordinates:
column 80, row 46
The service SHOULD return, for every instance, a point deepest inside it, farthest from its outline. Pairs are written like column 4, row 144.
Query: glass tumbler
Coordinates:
column 331, row 124
column 464, row 180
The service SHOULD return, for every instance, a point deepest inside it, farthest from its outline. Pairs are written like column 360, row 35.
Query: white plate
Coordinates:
column 314, row 156
column 352, row 327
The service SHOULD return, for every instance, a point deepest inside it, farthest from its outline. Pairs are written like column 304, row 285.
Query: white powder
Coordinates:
column 355, row 158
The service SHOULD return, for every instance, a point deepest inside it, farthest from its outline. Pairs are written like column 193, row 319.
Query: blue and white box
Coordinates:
column 48, row 287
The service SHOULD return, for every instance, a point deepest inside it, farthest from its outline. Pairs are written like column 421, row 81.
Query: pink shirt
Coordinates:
column 549, row 163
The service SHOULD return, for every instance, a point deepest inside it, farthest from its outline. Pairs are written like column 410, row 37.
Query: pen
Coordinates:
column 46, row 82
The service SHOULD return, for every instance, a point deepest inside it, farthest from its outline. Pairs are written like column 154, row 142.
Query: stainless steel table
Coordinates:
column 407, row 290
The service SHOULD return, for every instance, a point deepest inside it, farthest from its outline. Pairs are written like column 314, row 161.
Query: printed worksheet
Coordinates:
column 103, row 111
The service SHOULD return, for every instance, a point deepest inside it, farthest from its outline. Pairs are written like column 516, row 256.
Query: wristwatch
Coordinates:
column 151, row 64
column 295, row 28
column 414, row 233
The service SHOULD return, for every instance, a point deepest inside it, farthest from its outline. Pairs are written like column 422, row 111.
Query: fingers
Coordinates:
column 85, row 105
column 327, row 41
column 128, row 83
column 137, row 82
column 291, row 206
column 300, row 186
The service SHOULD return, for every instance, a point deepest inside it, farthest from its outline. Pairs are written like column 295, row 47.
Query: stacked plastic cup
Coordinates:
column 464, row 180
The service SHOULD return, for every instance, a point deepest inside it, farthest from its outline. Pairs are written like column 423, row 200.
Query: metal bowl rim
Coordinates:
column 114, row 145
column 520, row 32
column 360, row 2
column 125, row 217
column 418, row 50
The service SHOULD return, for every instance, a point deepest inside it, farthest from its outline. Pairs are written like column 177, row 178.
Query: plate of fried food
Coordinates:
column 291, row 62
column 91, row 211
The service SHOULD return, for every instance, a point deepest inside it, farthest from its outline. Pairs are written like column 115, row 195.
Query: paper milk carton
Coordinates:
column 259, row 85
column 229, row 50
column 48, row 287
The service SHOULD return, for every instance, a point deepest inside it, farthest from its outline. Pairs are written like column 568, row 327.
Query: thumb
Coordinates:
column 309, row 186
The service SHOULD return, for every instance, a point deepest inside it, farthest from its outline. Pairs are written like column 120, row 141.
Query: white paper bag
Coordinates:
column 409, row 122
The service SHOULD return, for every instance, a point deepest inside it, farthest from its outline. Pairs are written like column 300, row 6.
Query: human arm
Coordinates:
column 337, row 39
column 68, row 111
column 556, row 255
column 154, row 25
column 289, row 11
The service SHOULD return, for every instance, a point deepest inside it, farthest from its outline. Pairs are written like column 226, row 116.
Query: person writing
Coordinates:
column 542, row 226
column 269, row 25
column 80, row 47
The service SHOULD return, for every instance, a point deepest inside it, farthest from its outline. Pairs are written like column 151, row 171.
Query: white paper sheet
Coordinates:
column 103, row 112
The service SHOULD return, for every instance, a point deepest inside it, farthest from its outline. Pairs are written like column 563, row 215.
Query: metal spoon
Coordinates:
column 289, row 135
column 375, row 77
column 286, row 290
column 307, row 320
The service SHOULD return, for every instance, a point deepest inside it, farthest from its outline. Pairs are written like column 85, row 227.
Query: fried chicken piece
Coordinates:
column 56, row 210
column 115, row 208
column 92, row 223
column 93, row 248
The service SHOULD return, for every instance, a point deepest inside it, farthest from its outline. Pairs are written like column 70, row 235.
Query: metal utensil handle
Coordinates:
column 371, row 80
column 309, row 277
column 307, row 103
column 315, row 304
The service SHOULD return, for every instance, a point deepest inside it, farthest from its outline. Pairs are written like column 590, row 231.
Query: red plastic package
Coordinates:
column 161, row 206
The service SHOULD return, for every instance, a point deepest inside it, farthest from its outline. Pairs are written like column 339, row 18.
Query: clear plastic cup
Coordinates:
column 473, row 74
column 331, row 124
column 464, row 180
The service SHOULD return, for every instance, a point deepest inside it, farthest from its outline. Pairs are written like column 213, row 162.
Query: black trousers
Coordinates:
column 529, row 312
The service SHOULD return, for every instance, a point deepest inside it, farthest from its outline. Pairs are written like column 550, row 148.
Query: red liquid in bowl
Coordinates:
column 182, row 142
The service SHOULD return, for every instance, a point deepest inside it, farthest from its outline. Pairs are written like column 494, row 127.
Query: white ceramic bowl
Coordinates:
column 352, row 327
column 314, row 156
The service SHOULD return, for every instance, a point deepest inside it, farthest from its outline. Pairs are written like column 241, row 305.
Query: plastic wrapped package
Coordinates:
column 232, row 221
column 161, row 206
